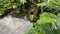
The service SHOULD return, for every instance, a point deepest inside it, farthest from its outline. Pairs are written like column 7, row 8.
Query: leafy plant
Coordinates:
column 45, row 24
column 8, row 4
column 47, row 18
column 23, row 1
column 51, row 5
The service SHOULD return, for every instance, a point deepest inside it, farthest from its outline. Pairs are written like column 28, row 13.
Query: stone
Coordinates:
column 11, row 25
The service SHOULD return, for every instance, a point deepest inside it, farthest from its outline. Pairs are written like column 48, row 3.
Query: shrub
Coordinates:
column 8, row 4
column 45, row 24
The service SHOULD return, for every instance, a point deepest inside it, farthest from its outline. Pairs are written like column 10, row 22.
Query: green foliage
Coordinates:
column 50, row 4
column 42, row 4
column 23, row 1
column 8, row 4
column 4, row 5
column 36, row 30
column 45, row 24
column 47, row 18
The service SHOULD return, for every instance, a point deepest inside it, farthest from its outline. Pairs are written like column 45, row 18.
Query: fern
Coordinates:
column 44, row 24
column 47, row 18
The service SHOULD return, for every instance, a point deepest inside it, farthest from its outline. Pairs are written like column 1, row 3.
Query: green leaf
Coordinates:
column 23, row 1
column 42, row 4
column 47, row 18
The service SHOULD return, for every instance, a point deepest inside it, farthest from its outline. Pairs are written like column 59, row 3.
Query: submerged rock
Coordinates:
column 11, row 25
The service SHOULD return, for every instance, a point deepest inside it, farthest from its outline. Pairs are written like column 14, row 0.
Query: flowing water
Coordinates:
column 11, row 25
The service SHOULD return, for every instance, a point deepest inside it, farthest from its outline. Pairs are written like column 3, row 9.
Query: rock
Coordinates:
column 11, row 25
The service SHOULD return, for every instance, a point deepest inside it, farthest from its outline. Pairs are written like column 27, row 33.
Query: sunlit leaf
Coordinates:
column 42, row 4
